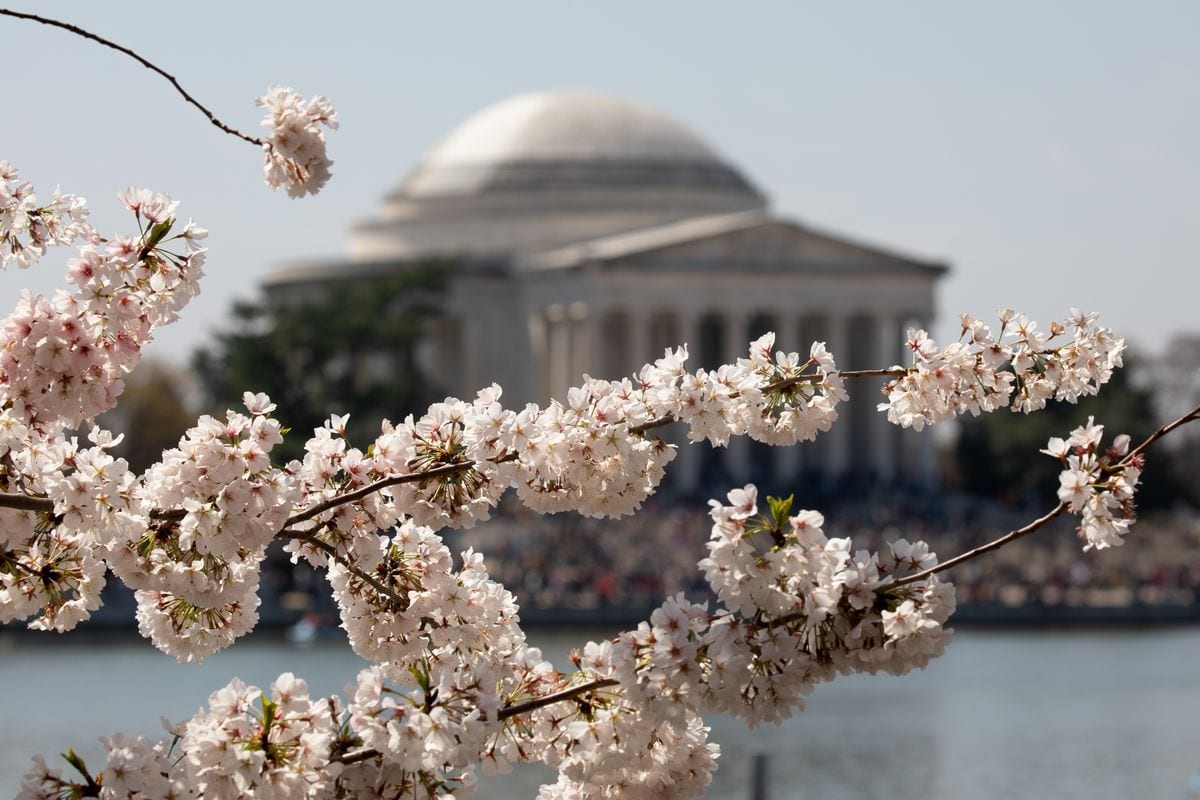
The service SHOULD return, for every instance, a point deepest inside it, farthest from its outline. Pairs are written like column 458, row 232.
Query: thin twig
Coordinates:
column 383, row 483
column 366, row 577
column 75, row 29
column 1190, row 416
column 508, row 712
column 1011, row 536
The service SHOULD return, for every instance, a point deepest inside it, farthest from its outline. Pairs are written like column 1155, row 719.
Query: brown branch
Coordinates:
column 508, row 712
column 25, row 502
column 75, row 29
column 517, row 709
column 355, row 756
column 383, row 483
column 366, row 577
column 1011, row 536
column 813, row 377
column 1190, row 416
column 874, row 373
column 665, row 419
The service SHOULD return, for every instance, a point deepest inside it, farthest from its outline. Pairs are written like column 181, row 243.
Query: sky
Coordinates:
column 1050, row 152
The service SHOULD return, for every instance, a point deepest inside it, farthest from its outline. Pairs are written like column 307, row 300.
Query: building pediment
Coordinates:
column 751, row 242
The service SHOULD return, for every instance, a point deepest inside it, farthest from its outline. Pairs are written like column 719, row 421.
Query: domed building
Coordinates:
column 590, row 232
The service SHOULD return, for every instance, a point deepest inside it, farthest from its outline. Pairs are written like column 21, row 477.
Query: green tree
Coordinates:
column 153, row 413
column 345, row 347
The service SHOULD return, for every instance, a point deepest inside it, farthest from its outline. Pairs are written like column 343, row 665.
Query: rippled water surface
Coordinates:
column 1001, row 715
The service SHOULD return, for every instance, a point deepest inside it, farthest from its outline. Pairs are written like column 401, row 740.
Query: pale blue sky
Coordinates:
column 1049, row 151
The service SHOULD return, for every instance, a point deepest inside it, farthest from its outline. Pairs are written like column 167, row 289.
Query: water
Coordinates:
column 1001, row 715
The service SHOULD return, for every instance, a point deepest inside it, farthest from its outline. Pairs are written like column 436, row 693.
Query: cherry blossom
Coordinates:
column 1021, row 368
column 28, row 229
column 294, row 148
column 1097, row 484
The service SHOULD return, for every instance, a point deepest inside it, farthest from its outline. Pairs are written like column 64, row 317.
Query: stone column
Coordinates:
column 598, row 348
column 786, row 462
column 639, row 340
column 688, row 464
column 558, row 352
column 735, row 345
column 837, row 341
column 539, row 371
column 472, row 333
column 582, row 325
column 927, row 471
column 884, row 439
column 689, row 334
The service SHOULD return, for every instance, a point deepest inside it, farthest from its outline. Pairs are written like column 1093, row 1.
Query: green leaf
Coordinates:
column 781, row 508
column 270, row 708
column 75, row 761
column 157, row 232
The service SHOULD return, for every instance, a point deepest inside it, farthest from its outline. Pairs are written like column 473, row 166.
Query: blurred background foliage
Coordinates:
column 348, row 348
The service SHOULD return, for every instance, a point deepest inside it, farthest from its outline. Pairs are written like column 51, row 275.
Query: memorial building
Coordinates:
column 589, row 233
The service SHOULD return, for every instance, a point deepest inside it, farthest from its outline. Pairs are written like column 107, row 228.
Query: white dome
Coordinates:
column 543, row 170
column 576, row 138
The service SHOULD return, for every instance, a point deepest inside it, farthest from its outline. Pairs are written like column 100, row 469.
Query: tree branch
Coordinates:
column 25, row 502
column 1190, row 416
column 75, row 29
column 1011, row 536
column 508, row 712
column 525, row 707
column 383, row 483
column 366, row 577
column 874, row 373
column 995, row 544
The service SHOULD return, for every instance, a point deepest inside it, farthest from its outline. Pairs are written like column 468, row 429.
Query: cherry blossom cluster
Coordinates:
column 591, row 453
column 61, row 363
column 62, row 359
column 195, row 571
column 245, row 744
column 448, row 652
column 197, row 575
column 294, row 147
column 53, row 566
column 28, row 229
column 1097, row 484
column 617, row 754
column 1020, row 367
column 797, row 607
column 188, row 535
column 455, row 687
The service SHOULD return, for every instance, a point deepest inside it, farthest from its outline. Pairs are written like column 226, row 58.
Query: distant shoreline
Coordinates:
column 976, row 616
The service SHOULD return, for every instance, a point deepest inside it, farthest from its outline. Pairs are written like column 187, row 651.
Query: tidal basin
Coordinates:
column 1045, row 714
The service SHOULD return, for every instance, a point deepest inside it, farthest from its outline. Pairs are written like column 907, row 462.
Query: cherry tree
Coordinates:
column 454, row 688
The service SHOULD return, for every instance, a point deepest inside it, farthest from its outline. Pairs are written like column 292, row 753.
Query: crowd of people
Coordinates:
column 569, row 562
column 566, row 567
